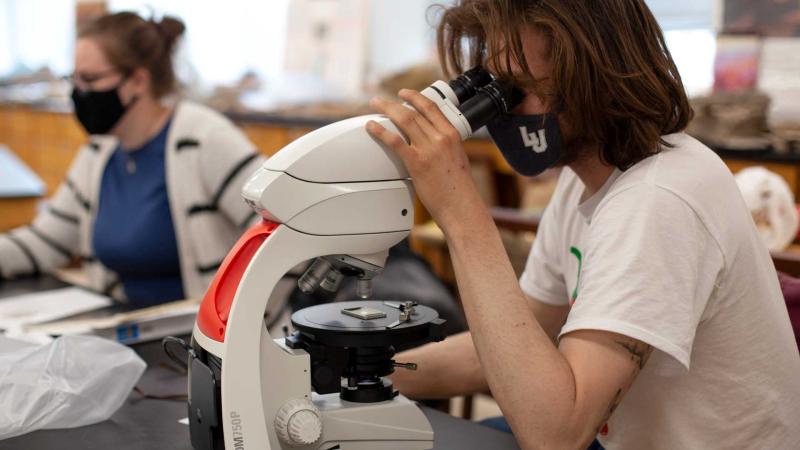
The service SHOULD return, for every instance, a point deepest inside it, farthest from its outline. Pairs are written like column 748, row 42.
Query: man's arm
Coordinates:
column 550, row 317
column 450, row 368
column 552, row 397
column 444, row 369
column 602, row 363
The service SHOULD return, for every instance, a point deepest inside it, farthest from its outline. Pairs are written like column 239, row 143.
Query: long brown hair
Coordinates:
column 130, row 42
column 612, row 71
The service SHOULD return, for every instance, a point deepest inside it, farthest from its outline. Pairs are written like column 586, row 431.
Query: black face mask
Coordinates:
column 531, row 143
column 99, row 111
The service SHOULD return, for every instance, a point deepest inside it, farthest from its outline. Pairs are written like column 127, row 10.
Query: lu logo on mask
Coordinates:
column 530, row 143
column 536, row 141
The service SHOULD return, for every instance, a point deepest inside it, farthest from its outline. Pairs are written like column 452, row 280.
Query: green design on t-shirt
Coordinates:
column 578, row 255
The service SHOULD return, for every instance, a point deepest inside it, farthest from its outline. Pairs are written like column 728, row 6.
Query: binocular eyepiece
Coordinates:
column 467, row 84
column 481, row 97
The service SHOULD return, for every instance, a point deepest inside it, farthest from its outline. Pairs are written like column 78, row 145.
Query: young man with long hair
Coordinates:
column 649, row 314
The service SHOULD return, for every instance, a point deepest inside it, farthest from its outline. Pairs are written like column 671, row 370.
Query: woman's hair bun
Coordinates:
column 172, row 29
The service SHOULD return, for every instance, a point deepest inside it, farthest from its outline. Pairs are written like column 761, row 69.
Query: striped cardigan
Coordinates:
column 207, row 161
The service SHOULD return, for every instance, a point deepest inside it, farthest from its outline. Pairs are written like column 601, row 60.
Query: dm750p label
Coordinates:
column 236, row 429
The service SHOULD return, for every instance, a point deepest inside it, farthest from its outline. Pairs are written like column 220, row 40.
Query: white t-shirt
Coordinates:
column 667, row 253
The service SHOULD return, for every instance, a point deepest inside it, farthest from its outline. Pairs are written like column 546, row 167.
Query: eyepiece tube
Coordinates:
column 497, row 97
column 468, row 83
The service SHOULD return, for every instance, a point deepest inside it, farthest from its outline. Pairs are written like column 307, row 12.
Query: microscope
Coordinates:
column 338, row 197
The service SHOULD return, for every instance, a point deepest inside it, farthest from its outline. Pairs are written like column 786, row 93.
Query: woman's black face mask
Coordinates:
column 99, row 111
column 530, row 143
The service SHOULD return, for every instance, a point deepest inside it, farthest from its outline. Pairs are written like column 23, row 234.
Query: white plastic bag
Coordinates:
column 771, row 202
column 70, row 382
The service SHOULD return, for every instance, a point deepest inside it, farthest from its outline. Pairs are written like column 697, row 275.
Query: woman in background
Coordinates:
column 151, row 204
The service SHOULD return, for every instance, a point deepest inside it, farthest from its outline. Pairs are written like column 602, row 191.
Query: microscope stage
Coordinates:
column 367, row 323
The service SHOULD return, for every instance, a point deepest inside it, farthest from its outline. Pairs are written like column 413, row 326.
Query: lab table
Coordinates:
column 148, row 424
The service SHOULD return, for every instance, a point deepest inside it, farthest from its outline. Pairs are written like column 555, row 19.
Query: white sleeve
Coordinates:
column 650, row 266
column 227, row 161
column 543, row 277
column 52, row 239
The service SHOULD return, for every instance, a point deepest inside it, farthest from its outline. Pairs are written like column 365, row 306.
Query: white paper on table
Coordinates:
column 87, row 325
column 48, row 305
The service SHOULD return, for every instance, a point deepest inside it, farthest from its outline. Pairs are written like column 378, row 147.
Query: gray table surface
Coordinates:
column 153, row 424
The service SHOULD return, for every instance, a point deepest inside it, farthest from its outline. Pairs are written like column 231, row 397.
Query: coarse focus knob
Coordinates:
column 298, row 423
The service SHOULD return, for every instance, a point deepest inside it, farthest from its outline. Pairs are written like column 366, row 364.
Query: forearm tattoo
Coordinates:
column 639, row 353
column 611, row 407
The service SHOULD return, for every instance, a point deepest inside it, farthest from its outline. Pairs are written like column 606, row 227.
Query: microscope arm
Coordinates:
column 240, row 293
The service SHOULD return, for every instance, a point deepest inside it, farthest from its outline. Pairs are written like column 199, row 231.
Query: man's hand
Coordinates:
column 434, row 157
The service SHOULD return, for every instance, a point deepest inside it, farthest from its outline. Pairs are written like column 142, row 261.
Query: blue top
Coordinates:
column 133, row 233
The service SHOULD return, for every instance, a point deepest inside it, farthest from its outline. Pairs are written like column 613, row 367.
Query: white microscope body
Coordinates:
column 335, row 191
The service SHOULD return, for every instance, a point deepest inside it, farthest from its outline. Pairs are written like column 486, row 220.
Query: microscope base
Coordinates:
column 397, row 424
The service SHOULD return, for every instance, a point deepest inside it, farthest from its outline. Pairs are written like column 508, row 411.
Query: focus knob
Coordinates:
column 298, row 423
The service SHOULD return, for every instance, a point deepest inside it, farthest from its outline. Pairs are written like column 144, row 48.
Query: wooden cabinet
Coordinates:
column 45, row 141
column 788, row 171
column 270, row 138
column 15, row 212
